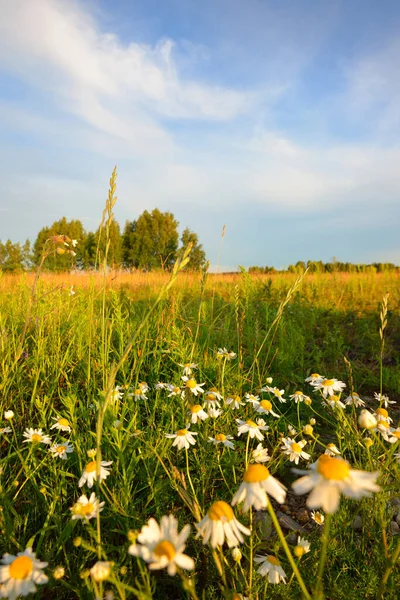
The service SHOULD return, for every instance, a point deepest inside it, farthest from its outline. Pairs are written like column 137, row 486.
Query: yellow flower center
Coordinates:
column 195, row 408
column 383, row 412
column 21, row 567
column 315, row 375
column 318, row 518
column 266, row 404
column 176, row 390
column 277, row 392
column 36, row 437
column 333, row 468
column 138, row 392
column 298, row 393
column 87, row 509
column 236, row 398
column 334, row 398
column 298, row 551
column 384, row 424
column 256, row 473
column 61, row 449
column 213, row 389
column 328, row 382
column 211, row 397
column 191, row 384
column 91, row 467
column 63, row 422
column 220, row 511
column 396, row 434
column 251, row 423
column 220, row 437
column 165, row 548
column 182, row 432
column 273, row 561
column 297, row 448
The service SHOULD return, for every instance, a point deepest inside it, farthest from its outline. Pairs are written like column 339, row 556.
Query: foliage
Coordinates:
column 197, row 254
column 15, row 257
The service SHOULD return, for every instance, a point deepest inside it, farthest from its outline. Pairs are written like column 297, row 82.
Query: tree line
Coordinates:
column 335, row 266
column 150, row 242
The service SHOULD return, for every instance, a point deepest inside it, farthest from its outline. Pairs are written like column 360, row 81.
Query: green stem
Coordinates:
column 391, row 563
column 324, row 550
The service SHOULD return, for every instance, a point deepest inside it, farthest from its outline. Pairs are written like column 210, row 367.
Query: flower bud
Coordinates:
column 308, row 430
column 236, row 555
column 312, row 421
column 101, row 570
column 307, row 401
column 8, row 415
column 59, row 572
column 366, row 420
column 368, row 442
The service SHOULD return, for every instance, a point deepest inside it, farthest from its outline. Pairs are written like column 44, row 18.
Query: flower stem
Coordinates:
column 325, row 539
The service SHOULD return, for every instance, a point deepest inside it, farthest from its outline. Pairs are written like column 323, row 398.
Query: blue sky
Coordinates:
column 279, row 119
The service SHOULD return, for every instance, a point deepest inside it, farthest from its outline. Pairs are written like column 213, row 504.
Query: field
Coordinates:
column 82, row 357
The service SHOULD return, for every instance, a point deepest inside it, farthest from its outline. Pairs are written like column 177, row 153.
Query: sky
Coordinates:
column 279, row 119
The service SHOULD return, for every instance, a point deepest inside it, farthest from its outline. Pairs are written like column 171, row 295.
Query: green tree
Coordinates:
column 151, row 241
column 197, row 254
column 96, row 244
column 14, row 256
column 61, row 262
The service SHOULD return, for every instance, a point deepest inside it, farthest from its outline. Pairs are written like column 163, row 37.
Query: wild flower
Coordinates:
column 36, row 436
column 394, row 435
column 294, row 449
column 298, row 397
column 257, row 482
column 260, row 454
column 254, row 400
column 214, row 412
column 61, row 450
column 5, row 430
column 381, row 414
column 354, row 400
column 61, row 424
column 318, row 517
column 187, row 368
column 192, row 385
column 264, row 407
column 162, row 546
column 314, row 378
column 328, row 387
column 20, row 574
column 328, row 478
column 383, row 399
column 89, row 475
column 277, row 393
column 252, row 428
column 101, row 570
column 224, row 353
column 220, row 525
column 302, row 547
column 197, row 413
column 334, row 402
column 235, row 401
column 271, row 567
column 366, row 420
column 332, row 450
column 8, row 415
column 86, row 508
column 223, row 439
column 183, row 438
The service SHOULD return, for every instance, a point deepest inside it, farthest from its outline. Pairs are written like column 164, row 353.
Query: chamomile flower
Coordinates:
column 257, row 481
column 328, row 387
column 270, row 565
column 260, row 454
column 214, row 412
column 354, row 400
column 5, row 430
column 220, row 525
column 298, row 397
column 140, row 393
column 183, row 438
column 20, row 574
column 116, row 394
column 161, row 386
column 187, row 368
column 212, row 398
column 9, row 415
column 318, row 517
column 383, row 399
column 264, row 407
column 89, row 475
column 61, row 450
column 332, row 450
column 224, row 353
column 36, row 436
column 86, row 508
column 294, row 449
column 383, row 428
column 277, row 393
column 101, row 570
column 174, row 391
column 223, row 439
column 197, row 413
column 366, row 420
column 314, row 378
column 382, row 414
column 254, row 400
column 302, row 547
column 162, row 546
column 328, row 478
column 192, row 385
column 235, row 401
column 394, row 435
column 252, row 428
column 333, row 401
column 61, row 423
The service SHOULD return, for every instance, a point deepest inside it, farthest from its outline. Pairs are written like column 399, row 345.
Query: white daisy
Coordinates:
column 294, row 449
column 333, row 401
column 382, row 414
column 318, row 517
column 354, row 400
column 302, row 547
column 36, row 436
column 328, row 478
column 383, row 428
column 220, row 524
column 277, row 393
column 89, row 475
column 161, row 386
column 162, row 546
column 174, row 391
column 298, row 397
column 20, row 574
column 197, row 412
column 61, row 424
column 192, row 385
column 394, row 435
column 187, row 368
column 270, row 565
column 264, row 407
column 257, row 481
column 214, row 412
column 223, row 439
column 235, row 401
column 224, row 353
column 314, row 378
column 117, row 394
column 383, row 399
column 252, row 428
column 5, row 430
column 332, row 450
column 328, row 387
column 139, row 393
column 61, row 450
column 260, row 454
column 212, row 399
column 86, row 508
column 254, row 400
column 182, row 438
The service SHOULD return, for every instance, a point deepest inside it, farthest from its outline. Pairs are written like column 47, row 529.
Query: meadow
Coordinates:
column 160, row 396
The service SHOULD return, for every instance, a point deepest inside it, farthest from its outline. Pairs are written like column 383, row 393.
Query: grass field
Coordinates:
column 92, row 349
